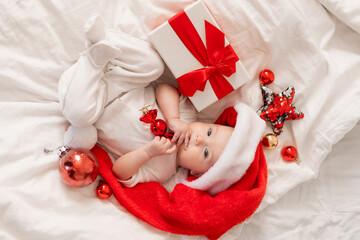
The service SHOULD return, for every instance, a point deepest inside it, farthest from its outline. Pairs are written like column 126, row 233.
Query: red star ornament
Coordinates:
column 278, row 108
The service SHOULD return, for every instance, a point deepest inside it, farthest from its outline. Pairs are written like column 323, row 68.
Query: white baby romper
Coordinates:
column 106, row 88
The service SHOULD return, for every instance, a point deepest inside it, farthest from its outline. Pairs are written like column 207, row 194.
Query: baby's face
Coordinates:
column 206, row 144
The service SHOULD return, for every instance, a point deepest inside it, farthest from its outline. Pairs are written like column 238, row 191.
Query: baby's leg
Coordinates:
column 108, row 68
column 82, row 92
column 136, row 66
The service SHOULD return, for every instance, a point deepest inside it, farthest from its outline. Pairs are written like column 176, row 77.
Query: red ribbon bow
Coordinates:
column 149, row 116
column 218, row 60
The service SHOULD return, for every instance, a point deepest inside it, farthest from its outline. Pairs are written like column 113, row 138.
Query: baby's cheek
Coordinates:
column 186, row 158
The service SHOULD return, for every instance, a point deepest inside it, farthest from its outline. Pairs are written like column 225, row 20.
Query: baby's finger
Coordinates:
column 171, row 150
column 181, row 139
column 167, row 143
column 175, row 137
column 187, row 139
column 163, row 140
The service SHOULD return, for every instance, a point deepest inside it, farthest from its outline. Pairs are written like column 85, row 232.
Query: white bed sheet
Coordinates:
column 327, row 207
column 314, row 49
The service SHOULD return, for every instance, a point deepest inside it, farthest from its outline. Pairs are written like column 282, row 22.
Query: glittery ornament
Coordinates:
column 103, row 190
column 278, row 108
column 289, row 153
column 78, row 167
column 270, row 141
column 157, row 126
column 266, row 76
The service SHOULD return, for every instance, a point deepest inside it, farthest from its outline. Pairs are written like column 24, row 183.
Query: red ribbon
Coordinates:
column 218, row 60
column 149, row 117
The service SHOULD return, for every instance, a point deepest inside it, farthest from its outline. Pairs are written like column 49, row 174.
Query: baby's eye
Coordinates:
column 209, row 132
column 206, row 152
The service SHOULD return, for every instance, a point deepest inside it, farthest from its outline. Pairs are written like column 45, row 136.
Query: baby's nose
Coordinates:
column 198, row 140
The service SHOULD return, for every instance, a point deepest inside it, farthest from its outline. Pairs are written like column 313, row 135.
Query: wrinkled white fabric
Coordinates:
column 315, row 50
column 347, row 11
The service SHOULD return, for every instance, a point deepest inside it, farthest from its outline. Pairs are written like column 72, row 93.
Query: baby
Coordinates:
column 101, row 94
column 198, row 145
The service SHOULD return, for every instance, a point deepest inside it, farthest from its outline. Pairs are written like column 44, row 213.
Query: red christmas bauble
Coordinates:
column 289, row 153
column 78, row 167
column 158, row 127
column 266, row 76
column 103, row 190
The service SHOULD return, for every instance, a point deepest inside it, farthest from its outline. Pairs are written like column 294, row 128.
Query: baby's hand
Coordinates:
column 159, row 146
column 182, row 132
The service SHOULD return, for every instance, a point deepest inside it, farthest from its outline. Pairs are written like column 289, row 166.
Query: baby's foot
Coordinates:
column 102, row 52
column 95, row 29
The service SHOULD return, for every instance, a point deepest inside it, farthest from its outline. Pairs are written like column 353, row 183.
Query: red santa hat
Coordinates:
column 237, row 155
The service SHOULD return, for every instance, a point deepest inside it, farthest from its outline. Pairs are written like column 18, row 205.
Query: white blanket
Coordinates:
column 311, row 45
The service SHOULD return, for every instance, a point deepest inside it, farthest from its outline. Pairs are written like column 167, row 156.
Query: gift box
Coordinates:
column 199, row 56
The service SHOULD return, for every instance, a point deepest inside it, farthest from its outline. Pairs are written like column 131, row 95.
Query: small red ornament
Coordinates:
column 78, row 167
column 266, row 76
column 289, row 153
column 103, row 190
column 157, row 126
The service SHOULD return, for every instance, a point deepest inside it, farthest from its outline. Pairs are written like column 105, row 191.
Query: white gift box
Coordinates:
column 181, row 61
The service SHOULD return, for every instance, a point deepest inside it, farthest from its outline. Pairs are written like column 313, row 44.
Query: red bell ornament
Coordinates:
column 78, row 167
column 289, row 153
column 158, row 127
column 266, row 76
column 103, row 190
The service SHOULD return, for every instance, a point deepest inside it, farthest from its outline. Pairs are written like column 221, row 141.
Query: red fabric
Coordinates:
column 227, row 117
column 217, row 59
column 186, row 210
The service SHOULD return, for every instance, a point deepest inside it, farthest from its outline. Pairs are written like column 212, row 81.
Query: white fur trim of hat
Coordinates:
column 238, row 154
